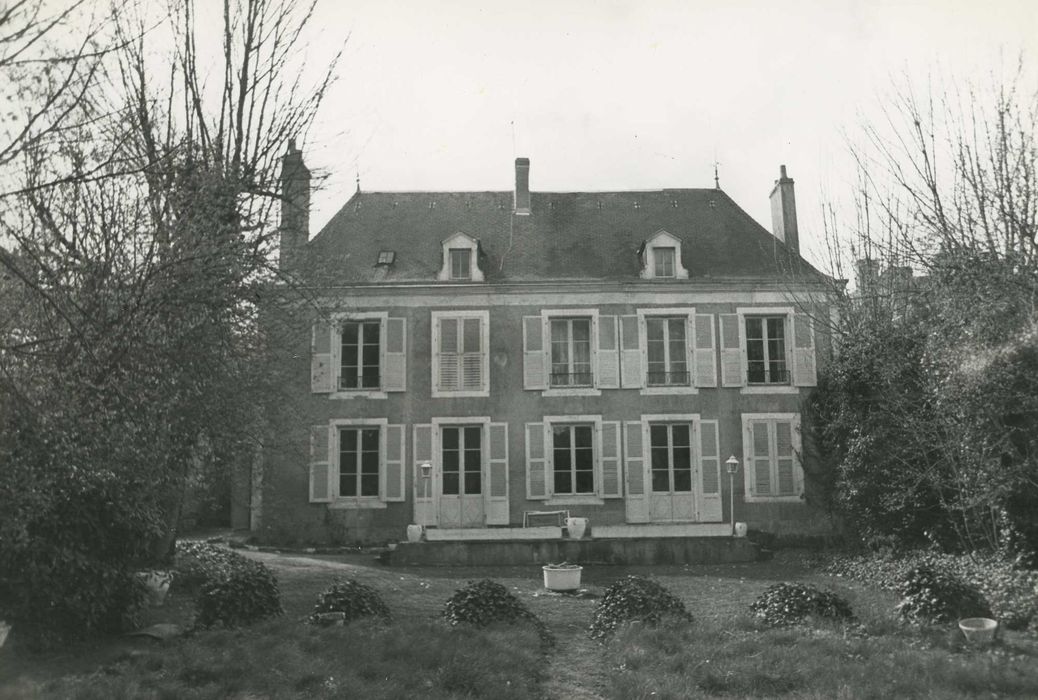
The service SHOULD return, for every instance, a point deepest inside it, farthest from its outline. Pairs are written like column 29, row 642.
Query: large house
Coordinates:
column 478, row 358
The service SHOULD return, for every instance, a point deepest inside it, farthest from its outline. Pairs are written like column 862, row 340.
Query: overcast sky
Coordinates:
column 443, row 95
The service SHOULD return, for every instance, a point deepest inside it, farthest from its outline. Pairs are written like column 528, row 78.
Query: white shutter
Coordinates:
column 710, row 473
column 608, row 354
column 538, row 486
column 497, row 489
column 535, row 357
column 609, row 451
column 785, row 460
column 394, row 471
column 704, row 357
column 636, row 502
column 320, row 465
column 395, row 378
column 424, row 491
column 759, row 462
column 804, row 372
column 630, row 353
column 321, row 374
column 732, row 364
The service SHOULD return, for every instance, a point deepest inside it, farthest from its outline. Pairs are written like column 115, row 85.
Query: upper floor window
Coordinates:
column 570, row 352
column 461, row 263
column 664, row 262
column 667, row 351
column 766, row 350
column 361, row 355
column 460, row 365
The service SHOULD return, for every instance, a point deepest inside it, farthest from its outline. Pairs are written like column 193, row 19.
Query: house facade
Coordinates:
column 480, row 357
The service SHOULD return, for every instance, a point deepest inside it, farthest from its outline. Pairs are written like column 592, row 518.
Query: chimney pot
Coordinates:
column 784, row 212
column 522, row 186
column 782, row 172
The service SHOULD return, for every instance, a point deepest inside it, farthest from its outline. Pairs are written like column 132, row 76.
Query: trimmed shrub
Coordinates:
column 935, row 596
column 634, row 598
column 792, row 603
column 482, row 603
column 244, row 593
column 197, row 563
column 352, row 598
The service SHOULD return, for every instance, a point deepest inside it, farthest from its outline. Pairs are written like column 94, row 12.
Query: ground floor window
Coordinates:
column 772, row 446
column 462, row 460
column 670, row 447
column 573, row 459
column 358, row 461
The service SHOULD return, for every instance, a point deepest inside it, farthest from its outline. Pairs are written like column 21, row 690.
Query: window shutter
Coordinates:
column 395, row 378
column 497, row 498
column 760, row 460
column 630, row 353
column 608, row 374
column 705, row 359
column 609, row 449
column 535, row 360
column 424, row 496
column 395, row 449
column 731, row 351
column 321, row 373
column 710, row 472
column 472, row 371
column 320, row 465
column 445, row 343
column 804, row 373
column 637, row 503
column 537, row 482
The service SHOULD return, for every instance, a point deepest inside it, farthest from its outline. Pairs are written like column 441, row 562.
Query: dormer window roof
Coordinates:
column 661, row 257
column 460, row 259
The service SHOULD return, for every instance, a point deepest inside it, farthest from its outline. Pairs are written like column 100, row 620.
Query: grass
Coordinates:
column 723, row 652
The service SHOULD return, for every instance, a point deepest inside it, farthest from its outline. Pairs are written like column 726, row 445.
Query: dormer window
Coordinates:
column 460, row 259
column 461, row 263
column 661, row 257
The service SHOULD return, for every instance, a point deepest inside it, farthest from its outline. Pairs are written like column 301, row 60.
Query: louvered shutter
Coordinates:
column 710, row 473
column 447, row 359
column 760, row 458
column 608, row 354
column 636, row 502
column 321, row 374
column 538, row 486
column 396, row 355
column 320, row 464
column 612, row 471
column 471, row 346
column 535, row 359
column 497, row 490
column 705, row 354
column 732, row 363
column 630, row 353
column 394, row 471
column 785, row 460
column 804, row 372
column 424, row 491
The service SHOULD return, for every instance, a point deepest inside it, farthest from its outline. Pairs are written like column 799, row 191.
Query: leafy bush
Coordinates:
column 634, row 598
column 353, row 599
column 791, row 603
column 196, row 563
column 244, row 593
column 934, row 596
column 482, row 603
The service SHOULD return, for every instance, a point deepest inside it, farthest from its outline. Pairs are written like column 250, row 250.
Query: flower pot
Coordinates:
column 157, row 583
column 567, row 579
column 740, row 529
column 576, row 527
column 5, row 629
column 414, row 533
column 979, row 630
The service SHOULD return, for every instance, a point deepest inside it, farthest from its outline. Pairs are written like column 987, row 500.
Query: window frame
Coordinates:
column 456, row 242
column 749, row 474
column 338, row 391
column 358, row 502
column 661, row 240
column 689, row 314
column 786, row 311
column 692, row 470
column 594, row 497
column 484, row 319
column 458, row 254
column 765, row 341
column 571, row 342
column 584, row 390
column 659, row 261
column 438, row 424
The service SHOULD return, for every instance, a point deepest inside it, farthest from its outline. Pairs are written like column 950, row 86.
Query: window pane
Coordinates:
column 348, row 485
column 350, row 330
column 369, row 485
column 349, row 440
column 448, row 335
column 563, row 481
column 664, row 262
column 372, row 331
column 370, row 377
column 754, row 328
column 776, row 327
column 473, row 483
column 682, row 435
column 582, row 435
column 472, row 460
column 560, row 435
column 755, row 372
column 585, row 482
column 563, row 458
column 472, row 437
column 682, row 480
column 460, row 258
column 660, row 458
column 369, row 440
column 658, row 435
column 654, row 329
column 450, row 438
column 450, row 483
column 473, row 339
column 660, row 480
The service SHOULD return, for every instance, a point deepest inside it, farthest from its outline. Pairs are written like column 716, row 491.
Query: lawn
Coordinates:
column 724, row 651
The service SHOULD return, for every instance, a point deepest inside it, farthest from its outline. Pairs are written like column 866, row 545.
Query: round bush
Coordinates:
column 196, row 563
column 934, row 596
column 352, row 598
column 246, row 592
column 790, row 603
column 484, row 602
column 634, row 598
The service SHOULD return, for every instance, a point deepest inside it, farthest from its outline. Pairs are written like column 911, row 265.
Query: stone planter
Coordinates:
column 979, row 630
column 414, row 533
column 576, row 527
column 157, row 583
column 740, row 529
column 562, row 577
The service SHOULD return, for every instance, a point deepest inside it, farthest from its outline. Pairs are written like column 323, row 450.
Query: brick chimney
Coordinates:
column 522, row 186
column 294, row 230
column 784, row 211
